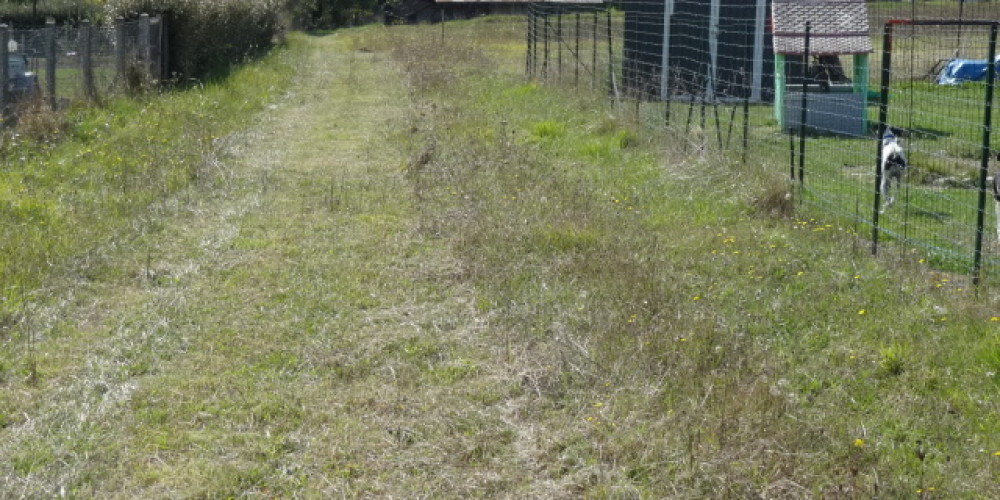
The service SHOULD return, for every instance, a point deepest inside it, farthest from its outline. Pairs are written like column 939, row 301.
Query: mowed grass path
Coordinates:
column 416, row 275
column 293, row 333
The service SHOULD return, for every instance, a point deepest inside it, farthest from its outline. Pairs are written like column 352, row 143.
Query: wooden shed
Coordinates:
column 718, row 48
column 836, row 103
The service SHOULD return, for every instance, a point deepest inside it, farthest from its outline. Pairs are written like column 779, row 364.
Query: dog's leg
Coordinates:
column 885, row 196
column 887, row 193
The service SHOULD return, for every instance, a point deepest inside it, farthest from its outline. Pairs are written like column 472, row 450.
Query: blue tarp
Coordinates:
column 965, row 70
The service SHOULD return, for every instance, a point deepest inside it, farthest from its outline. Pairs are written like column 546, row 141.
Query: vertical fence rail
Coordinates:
column 984, row 163
column 804, row 112
column 611, row 64
column 86, row 68
column 559, row 44
column 545, row 41
column 576, row 52
column 50, row 62
column 593, row 52
column 530, row 49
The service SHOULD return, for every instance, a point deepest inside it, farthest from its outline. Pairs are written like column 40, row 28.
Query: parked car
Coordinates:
column 21, row 83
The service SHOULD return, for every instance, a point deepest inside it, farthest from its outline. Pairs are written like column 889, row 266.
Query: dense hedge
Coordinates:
column 207, row 37
column 25, row 13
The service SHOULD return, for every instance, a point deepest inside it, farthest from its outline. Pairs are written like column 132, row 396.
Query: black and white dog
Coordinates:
column 893, row 166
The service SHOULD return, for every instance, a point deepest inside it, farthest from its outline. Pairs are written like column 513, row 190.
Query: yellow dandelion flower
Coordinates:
column 861, row 312
column 859, row 442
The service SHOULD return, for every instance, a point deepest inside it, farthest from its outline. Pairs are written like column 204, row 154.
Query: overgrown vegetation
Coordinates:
column 426, row 276
column 34, row 12
column 327, row 14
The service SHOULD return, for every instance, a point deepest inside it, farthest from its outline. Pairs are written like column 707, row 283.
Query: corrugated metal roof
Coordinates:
column 565, row 2
column 837, row 26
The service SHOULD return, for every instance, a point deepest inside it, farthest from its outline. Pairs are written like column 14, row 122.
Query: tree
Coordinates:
column 312, row 14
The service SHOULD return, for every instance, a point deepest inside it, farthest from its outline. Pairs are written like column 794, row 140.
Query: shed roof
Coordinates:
column 564, row 2
column 837, row 26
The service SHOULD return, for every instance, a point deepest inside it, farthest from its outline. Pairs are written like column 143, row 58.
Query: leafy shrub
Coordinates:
column 26, row 13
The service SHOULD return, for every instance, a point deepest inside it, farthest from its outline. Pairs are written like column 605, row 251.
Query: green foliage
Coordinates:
column 892, row 359
column 21, row 13
column 325, row 14
column 548, row 129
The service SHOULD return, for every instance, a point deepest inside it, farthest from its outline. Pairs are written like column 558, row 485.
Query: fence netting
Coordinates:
column 798, row 86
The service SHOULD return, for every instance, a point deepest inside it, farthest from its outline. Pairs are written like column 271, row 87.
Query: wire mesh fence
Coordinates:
column 86, row 62
column 810, row 88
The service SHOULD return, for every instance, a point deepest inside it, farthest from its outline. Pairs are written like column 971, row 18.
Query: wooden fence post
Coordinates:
column 576, row 49
column 4, row 38
column 86, row 66
column 50, row 61
column 157, row 56
column 144, row 49
column 164, row 48
column 120, row 54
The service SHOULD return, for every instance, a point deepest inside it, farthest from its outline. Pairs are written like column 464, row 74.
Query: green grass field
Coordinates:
column 378, row 265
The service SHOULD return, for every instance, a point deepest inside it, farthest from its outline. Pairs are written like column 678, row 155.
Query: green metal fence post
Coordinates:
column 803, row 113
column 984, row 163
column 883, row 116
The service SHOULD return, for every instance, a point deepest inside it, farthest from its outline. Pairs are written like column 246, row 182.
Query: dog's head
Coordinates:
column 889, row 137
